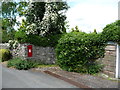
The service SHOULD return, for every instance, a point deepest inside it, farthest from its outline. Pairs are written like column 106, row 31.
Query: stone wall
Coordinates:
column 4, row 46
column 109, row 60
column 39, row 54
column 47, row 55
column 19, row 51
column 43, row 54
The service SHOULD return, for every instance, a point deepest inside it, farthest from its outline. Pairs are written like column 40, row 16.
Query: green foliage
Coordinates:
column 20, row 36
column 75, row 29
column 78, row 51
column 21, row 64
column 5, row 54
column 9, row 12
column 8, row 18
column 112, row 32
column 7, row 31
column 51, row 40
column 43, row 65
column 5, row 37
column 95, row 31
column 8, row 9
column 12, row 62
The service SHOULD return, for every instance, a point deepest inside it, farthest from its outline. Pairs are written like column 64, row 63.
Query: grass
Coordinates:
column 42, row 66
column 20, row 64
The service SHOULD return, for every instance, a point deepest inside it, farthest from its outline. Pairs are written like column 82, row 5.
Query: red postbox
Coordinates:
column 29, row 47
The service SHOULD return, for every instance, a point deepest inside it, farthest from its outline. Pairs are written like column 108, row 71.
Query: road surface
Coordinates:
column 12, row 78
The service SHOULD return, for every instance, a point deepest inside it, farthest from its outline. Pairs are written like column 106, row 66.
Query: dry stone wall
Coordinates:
column 47, row 55
column 39, row 54
column 4, row 46
column 19, row 51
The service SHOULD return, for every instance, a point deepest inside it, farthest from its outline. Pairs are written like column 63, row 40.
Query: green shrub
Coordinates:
column 5, row 37
column 21, row 36
column 12, row 62
column 111, row 32
column 5, row 54
column 21, row 64
column 24, row 65
column 78, row 51
column 50, row 40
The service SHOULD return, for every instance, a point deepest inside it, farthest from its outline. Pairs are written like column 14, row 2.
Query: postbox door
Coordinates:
column 29, row 47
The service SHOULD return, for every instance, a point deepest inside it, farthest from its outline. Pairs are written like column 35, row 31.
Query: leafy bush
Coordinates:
column 40, row 40
column 12, row 62
column 21, row 64
column 78, row 51
column 21, row 36
column 5, row 37
column 112, row 32
column 5, row 54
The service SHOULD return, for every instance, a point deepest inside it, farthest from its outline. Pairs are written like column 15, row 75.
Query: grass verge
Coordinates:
column 26, row 64
column 42, row 66
column 21, row 64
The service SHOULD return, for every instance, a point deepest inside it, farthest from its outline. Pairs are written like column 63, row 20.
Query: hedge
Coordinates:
column 78, row 51
column 50, row 40
column 5, row 54
column 111, row 32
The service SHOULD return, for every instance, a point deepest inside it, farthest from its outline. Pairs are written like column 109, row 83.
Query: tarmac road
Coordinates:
column 12, row 78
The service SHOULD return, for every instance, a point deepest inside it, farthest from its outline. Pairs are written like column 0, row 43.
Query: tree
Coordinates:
column 8, row 19
column 76, row 29
column 9, row 13
column 10, row 10
column 112, row 32
column 46, row 18
column 95, row 31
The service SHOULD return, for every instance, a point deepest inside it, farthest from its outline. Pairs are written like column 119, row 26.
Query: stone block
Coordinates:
column 109, row 68
column 110, row 47
column 111, row 74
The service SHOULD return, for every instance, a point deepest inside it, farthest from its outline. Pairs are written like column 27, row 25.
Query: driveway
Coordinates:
column 12, row 78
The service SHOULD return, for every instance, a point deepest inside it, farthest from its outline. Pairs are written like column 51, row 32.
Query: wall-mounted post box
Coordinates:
column 29, row 49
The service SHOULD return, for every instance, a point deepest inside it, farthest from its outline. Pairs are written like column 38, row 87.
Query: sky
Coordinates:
column 91, row 14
